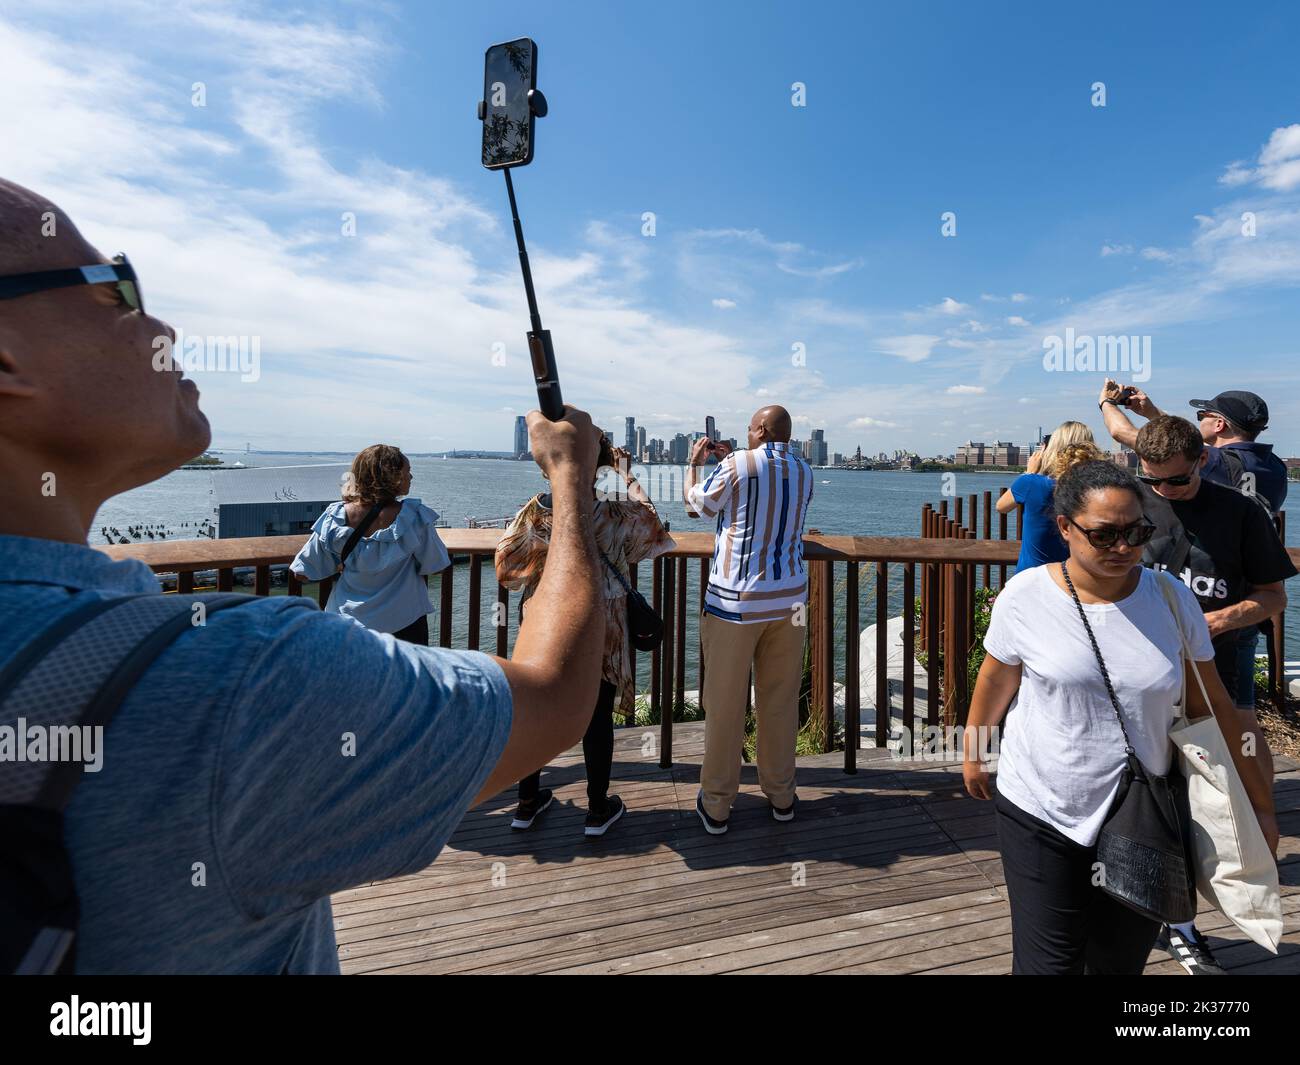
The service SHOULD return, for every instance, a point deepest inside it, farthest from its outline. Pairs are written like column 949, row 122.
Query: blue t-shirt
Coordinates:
column 1040, row 541
column 230, row 752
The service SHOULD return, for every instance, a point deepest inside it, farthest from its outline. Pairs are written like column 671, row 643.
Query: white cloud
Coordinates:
column 1016, row 320
column 872, row 423
column 1116, row 249
column 232, row 215
column 965, row 390
column 949, row 306
column 1278, row 165
column 724, row 304
column 1158, row 255
column 1018, row 297
column 915, row 347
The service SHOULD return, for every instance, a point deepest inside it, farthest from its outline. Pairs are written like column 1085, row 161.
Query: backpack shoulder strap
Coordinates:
column 77, row 672
column 1234, row 463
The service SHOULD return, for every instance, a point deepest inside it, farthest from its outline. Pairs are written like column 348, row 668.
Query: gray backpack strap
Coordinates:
column 77, row 672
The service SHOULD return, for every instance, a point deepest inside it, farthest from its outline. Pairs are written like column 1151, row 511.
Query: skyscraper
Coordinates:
column 817, row 454
column 640, row 444
column 630, row 443
column 521, row 436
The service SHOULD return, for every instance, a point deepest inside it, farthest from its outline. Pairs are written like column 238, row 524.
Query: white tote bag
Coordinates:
column 1234, row 868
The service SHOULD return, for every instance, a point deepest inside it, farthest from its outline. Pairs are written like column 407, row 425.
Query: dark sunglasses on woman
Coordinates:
column 1105, row 536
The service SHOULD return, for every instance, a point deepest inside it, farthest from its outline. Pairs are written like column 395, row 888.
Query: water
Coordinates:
column 844, row 502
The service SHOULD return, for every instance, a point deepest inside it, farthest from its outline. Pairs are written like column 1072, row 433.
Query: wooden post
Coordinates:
column 933, row 615
column 444, row 605
column 699, row 643
column 1002, row 535
column 988, row 534
column 503, row 626
column 909, row 652
column 927, row 516
column 951, row 581
column 818, row 592
column 656, row 597
column 666, row 680
column 884, row 711
column 681, row 632
column 475, row 601
column 852, row 673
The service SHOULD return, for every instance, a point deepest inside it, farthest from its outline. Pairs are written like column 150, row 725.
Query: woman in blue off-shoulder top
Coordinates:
column 381, row 583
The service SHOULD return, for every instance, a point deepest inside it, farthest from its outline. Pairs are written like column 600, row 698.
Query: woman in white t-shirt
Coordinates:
column 1061, row 753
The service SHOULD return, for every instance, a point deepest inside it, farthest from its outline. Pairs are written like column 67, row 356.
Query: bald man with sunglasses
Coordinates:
column 230, row 802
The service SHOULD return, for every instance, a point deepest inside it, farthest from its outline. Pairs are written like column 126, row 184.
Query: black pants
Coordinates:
column 416, row 632
column 597, row 753
column 1060, row 923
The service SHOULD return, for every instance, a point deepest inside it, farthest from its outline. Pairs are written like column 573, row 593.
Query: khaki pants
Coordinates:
column 775, row 649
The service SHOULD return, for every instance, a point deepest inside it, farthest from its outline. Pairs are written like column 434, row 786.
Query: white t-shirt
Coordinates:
column 1061, row 754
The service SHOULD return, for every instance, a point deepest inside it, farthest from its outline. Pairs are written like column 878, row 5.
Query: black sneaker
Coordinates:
column 598, row 822
column 1191, row 952
column 783, row 815
column 530, row 809
column 711, row 826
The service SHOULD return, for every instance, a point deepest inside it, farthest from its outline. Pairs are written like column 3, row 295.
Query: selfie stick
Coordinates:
column 549, row 399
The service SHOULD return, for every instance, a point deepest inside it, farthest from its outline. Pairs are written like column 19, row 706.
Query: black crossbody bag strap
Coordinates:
column 363, row 527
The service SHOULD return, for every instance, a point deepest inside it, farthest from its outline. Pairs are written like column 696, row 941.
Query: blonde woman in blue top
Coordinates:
column 381, row 583
column 1069, row 444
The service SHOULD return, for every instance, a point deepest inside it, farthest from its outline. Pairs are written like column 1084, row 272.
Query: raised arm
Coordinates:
column 554, row 673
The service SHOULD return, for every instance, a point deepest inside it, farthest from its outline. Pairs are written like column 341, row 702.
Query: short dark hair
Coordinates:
column 1237, row 430
column 1166, row 437
column 1080, row 481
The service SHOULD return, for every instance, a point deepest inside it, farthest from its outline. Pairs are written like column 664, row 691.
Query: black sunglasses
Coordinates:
column 118, row 272
column 1181, row 481
column 1134, row 535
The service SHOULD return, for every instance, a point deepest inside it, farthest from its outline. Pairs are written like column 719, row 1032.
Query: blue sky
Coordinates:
column 775, row 225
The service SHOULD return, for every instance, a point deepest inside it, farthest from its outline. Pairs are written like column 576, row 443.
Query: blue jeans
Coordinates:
column 1244, row 692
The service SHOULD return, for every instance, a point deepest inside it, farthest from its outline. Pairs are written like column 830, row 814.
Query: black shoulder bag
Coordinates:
column 1145, row 841
column 645, row 628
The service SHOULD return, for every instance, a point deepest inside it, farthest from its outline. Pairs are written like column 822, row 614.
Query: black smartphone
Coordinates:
column 1125, row 394
column 509, row 73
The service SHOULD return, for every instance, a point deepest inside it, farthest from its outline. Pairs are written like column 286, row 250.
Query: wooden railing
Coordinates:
column 943, row 565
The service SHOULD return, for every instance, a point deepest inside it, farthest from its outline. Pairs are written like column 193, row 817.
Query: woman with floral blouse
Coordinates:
column 627, row 531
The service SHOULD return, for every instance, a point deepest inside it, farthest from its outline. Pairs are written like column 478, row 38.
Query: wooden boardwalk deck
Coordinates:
column 893, row 870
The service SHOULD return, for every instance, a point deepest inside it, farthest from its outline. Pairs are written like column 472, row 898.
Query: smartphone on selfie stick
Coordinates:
column 509, row 110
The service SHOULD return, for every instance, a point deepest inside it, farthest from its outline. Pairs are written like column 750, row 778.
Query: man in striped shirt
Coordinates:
column 754, row 612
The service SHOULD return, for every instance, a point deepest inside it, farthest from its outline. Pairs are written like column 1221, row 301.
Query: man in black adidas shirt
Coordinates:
column 1224, row 546
column 1221, row 543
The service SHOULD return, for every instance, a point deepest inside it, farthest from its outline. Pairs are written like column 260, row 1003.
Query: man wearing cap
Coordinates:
column 1229, row 424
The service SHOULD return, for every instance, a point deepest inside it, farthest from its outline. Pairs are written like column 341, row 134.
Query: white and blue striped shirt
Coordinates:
column 760, row 497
